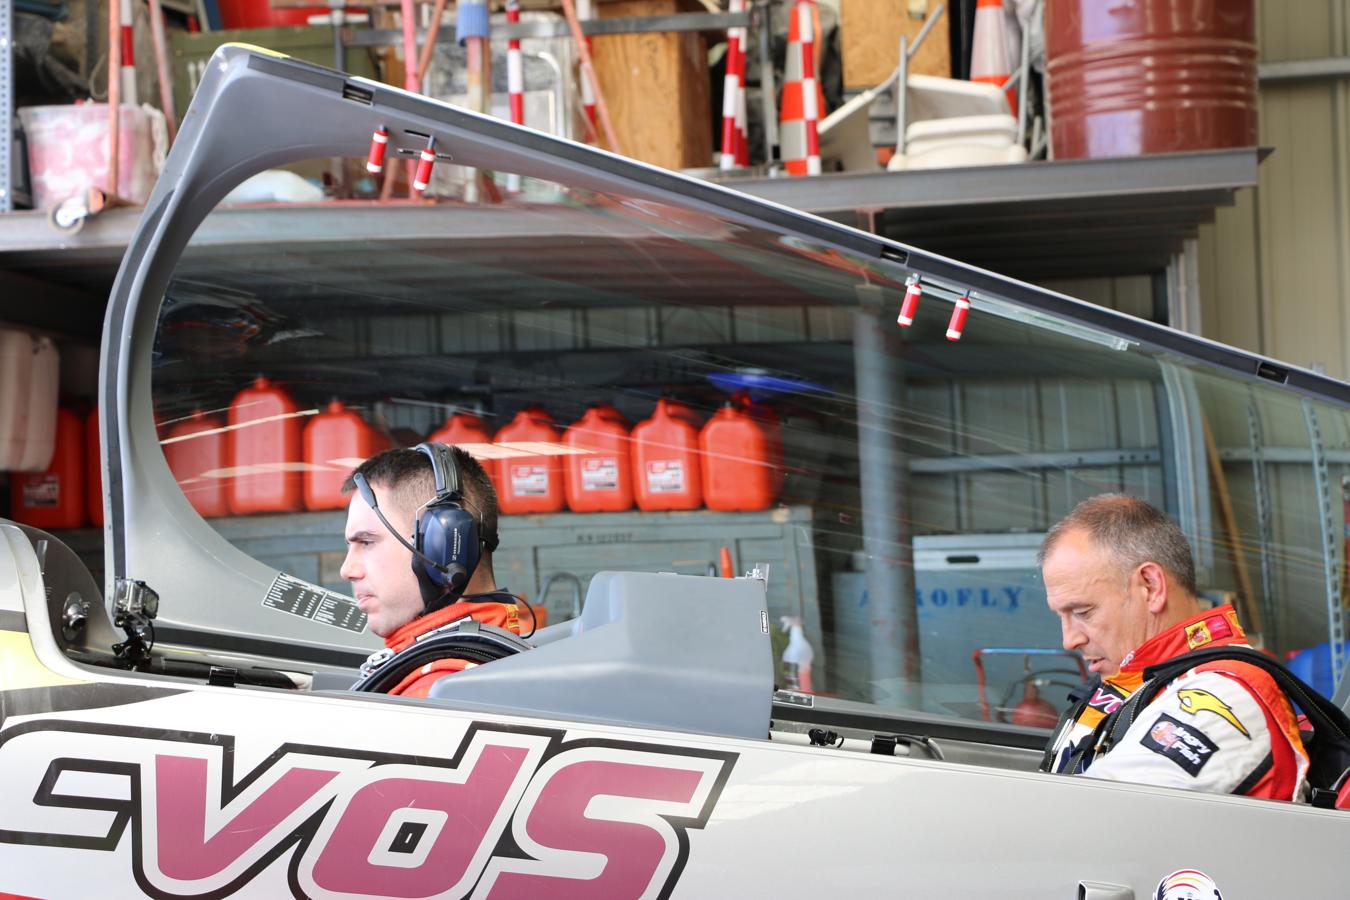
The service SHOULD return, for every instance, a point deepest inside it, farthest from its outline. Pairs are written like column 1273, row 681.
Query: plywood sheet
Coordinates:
column 869, row 40
column 657, row 89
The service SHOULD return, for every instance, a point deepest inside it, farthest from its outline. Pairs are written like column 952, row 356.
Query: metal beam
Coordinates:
column 1059, row 180
column 6, row 105
column 544, row 28
column 1327, row 69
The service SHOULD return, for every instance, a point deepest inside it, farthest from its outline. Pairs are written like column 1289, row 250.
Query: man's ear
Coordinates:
column 1154, row 580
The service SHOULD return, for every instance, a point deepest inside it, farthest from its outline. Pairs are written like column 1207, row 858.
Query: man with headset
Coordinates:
column 421, row 528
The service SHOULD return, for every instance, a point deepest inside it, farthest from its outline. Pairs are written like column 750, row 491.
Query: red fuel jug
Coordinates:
column 773, row 430
column 54, row 498
column 267, row 452
column 666, row 472
column 468, row 431
column 93, row 470
column 681, row 410
column 601, row 479
column 737, row 474
column 530, row 482
column 195, row 448
column 337, row 440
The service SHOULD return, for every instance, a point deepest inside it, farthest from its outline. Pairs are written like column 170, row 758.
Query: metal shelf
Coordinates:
column 1040, row 221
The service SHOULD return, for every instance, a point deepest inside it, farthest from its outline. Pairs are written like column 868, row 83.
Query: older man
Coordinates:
column 1119, row 575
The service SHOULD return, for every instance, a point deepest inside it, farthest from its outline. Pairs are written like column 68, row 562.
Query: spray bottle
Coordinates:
column 797, row 656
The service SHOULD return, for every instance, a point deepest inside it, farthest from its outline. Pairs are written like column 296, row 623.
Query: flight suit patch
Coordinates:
column 1188, row 747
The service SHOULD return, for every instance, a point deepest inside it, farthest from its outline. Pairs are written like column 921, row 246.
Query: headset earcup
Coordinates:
column 448, row 536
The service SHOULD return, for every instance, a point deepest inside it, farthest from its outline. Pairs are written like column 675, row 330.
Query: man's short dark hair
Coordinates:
column 408, row 482
column 1132, row 532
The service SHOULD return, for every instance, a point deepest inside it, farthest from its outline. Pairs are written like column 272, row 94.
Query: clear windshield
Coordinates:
column 894, row 483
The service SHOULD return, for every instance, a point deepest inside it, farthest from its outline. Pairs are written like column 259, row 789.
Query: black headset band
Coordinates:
column 444, row 469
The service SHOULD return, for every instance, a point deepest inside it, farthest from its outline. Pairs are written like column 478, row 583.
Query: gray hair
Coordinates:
column 1132, row 532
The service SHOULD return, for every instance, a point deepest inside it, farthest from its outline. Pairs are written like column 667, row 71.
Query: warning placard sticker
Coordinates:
column 665, row 476
column 41, row 492
column 529, row 481
column 289, row 594
column 600, row 474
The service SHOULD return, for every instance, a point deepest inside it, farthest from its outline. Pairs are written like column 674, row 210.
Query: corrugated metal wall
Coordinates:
column 1274, row 273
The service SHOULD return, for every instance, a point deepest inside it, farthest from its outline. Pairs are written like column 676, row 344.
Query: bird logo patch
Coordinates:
column 1195, row 701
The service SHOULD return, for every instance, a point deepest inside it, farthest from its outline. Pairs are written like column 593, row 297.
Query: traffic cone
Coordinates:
column 989, row 59
column 803, row 100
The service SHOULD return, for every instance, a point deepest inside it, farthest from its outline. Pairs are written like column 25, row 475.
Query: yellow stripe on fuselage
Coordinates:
column 20, row 667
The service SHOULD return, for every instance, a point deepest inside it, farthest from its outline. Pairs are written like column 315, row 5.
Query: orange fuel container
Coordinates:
column 468, row 431
column 773, row 430
column 737, row 474
column 601, row 480
column 54, row 498
column 681, row 410
column 533, row 482
column 666, row 471
column 192, row 448
column 267, row 453
column 334, row 439
column 93, row 470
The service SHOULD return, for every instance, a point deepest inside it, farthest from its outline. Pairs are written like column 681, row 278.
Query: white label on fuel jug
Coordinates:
column 40, row 492
column 529, row 481
column 665, row 476
column 601, row 474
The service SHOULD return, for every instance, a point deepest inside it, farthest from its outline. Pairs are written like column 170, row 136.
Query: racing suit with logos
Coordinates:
column 499, row 611
column 1223, row 727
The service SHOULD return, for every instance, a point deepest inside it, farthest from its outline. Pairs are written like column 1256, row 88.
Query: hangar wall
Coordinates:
column 1273, row 268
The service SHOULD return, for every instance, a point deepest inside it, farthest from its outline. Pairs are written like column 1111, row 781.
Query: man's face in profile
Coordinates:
column 1101, row 612
column 379, row 567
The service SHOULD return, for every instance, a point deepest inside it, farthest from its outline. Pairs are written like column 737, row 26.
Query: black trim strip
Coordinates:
column 878, row 723
column 13, row 621
column 252, row 646
column 1257, row 774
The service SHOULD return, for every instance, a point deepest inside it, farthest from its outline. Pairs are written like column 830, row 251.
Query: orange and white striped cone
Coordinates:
column 989, row 62
column 802, row 97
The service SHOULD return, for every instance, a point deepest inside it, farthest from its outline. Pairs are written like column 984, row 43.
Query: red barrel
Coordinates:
column 93, row 470
column 1150, row 76
column 267, row 447
column 530, row 482
column 601, row 479
column 198, row 454
column 54, row 498
column 666, row 472
column 737, row 472
column 470, row 432
column 337, row 440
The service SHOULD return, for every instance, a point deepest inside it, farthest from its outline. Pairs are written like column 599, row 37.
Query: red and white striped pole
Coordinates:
column 742, row 133
column 128, row 70
column 732, row 86
column 515, row 67
column 424, row 164
column 585, row 12
column 805, row 10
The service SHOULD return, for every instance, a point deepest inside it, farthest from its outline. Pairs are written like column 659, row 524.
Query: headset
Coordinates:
column 446, row 543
